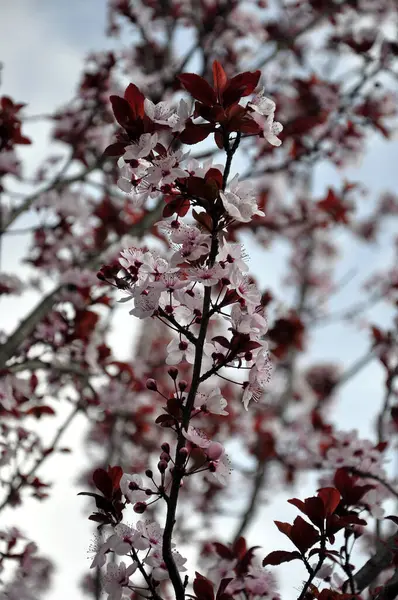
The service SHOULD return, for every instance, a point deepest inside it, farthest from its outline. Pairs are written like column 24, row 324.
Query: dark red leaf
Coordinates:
column 193, row 134
column 116, row 149
column 39, row 411
column 103, row 482
column 122, row 110
column 330, row 498
column 280, row 556
column 219, row 78
column 136, row 99
column 203, row 587
column 198, row 88
column 223, row 551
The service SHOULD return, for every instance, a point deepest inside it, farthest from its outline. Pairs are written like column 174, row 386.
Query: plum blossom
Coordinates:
column 213, row 402
column 246, row 289
column 179, row 350
column 178, row 120
column 161, row 112
column 117, row 579
column 130, row 487
column 125, row 538
column 160, row 572
column 258, row 582
column 151, row 532
column 243, row 322
column 142, row 148
column 218, row 461
column 239, row 201
column 196, row 436
column 263, row 113
column 100, row 551
column 145, row 303
column 260, row 374
column 231, row 257
column 164, row 170
column 206, row 275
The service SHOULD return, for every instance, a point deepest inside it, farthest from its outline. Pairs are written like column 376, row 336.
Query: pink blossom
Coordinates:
column 142, row 148
column 129, row 485
column 239, row 201
column 179, row 350
column 117, row 579
column 160, row 572
column 211, row 402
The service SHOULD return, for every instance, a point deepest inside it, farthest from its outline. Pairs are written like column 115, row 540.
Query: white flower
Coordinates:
column 160, row 571
column 152, row 532
column 231, row 257
column 178, row 350
column 159, row 113
column 142, row 148
column 117, row 579
column 246, row 290
column 240, row 201
column 126, row 538
column 146, row 301
column 129, row 486
column 271, row 128
column 206, row 275
column 196, row 436
column 212, row 402
column 264, row 111
column 262, row 105
column 179, row 119
column 165, row 169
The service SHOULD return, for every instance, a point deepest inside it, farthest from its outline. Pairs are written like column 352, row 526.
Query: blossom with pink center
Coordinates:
column 165, row 169
column 231, row 257
column 146, row 301
column 160, row 572
column 151, row 532
column 207, row 276
column 132, row 257
column 179, row 350
column 220, row 468
column 117, row 579
column 130, row 487
column 100, row 550
column 262, row 105
column 240, row 201
column 212, row 402
column 263, row 113
column 178, row 120
column 196, row 436
column 161, row 112
column 246, row 289
column 142, row 148
column 243, row 322
column 125, row 538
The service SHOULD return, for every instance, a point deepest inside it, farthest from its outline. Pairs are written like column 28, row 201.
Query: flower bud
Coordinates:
column 140, row 507
column 182, row 385
column 152, row 385
column 162, row 466
column 149, row 473
column 173, row 372
column 165, row 447
column 215, row 450
column 133, row 486
column 165, row 456
column 183, row 452
column 148, row 492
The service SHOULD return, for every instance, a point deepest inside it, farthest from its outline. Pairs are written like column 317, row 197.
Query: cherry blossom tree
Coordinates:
column 181, row 160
